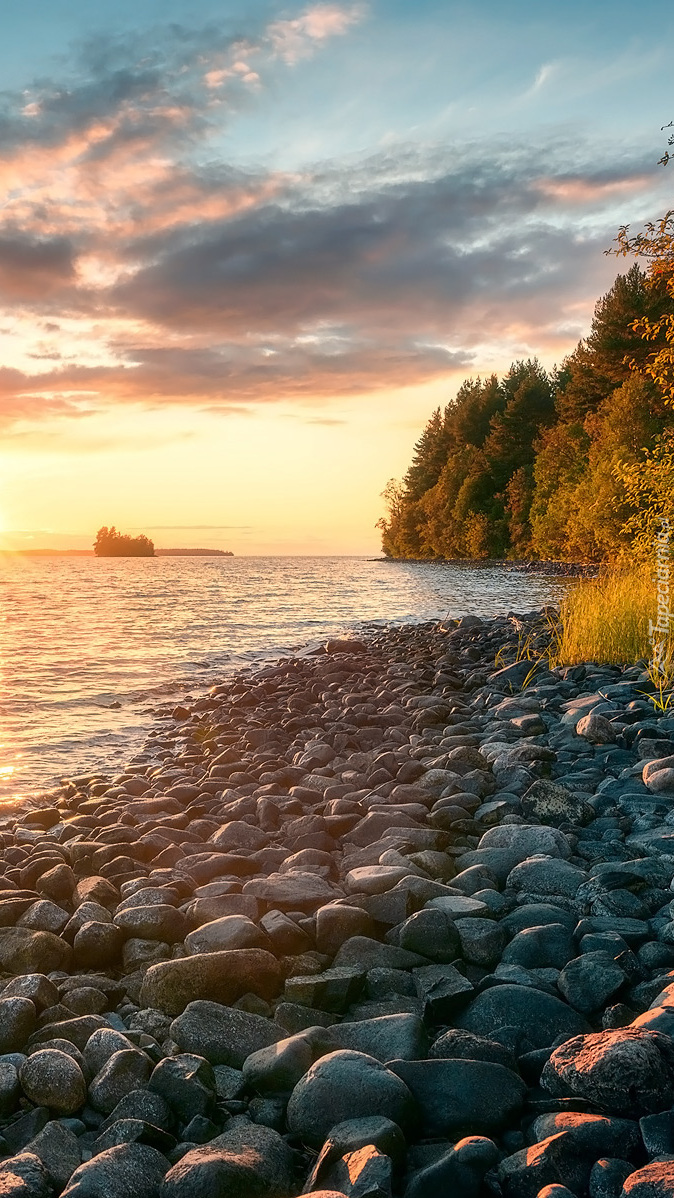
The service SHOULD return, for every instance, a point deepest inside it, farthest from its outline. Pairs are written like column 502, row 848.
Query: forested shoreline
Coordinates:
column 546, row 465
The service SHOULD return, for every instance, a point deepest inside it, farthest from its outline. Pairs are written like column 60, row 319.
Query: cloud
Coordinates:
column 32, row 268
column 167, row 276
column 299, row 37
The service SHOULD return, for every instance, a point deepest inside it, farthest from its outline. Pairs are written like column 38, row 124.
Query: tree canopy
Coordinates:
column 110, row 543
column 547, row 464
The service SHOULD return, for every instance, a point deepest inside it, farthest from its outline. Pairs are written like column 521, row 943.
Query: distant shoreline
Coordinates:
column 90, row 552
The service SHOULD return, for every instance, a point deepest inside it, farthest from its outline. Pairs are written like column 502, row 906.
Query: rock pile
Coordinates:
column 382, row 920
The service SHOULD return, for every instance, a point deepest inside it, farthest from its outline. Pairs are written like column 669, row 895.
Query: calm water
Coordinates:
column 77, row 635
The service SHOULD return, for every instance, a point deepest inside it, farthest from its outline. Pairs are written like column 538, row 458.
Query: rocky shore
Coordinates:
column 377, row 921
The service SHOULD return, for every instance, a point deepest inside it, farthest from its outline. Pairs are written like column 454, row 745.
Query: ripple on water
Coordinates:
column 80, row 634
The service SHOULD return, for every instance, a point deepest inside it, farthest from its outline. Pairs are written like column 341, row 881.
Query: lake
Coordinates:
column 89, row 645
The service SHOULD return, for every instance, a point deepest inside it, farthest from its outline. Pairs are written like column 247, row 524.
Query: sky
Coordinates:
column 246, row 249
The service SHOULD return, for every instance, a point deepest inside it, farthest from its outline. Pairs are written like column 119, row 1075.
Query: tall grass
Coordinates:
column 606, row 620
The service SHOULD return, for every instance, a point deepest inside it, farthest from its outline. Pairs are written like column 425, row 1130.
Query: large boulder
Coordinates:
column 527, row 840
column 653, row 1181
column 553, row 804
column 628, row 1071
column 246, row 1161
column 223, row 1035
column 125, row 1171
column 25, row 951
column 456, row 1097
column 292, row 891
column 541, row 1017
column 53, row 1079
column 231, row 931
column 346, row 1085
column 219, row 977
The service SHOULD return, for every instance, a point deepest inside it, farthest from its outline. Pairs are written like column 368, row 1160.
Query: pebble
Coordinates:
column 358, row 922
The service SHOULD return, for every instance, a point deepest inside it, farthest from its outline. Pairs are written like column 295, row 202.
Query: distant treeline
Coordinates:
column 543, row 465
column 193, row 553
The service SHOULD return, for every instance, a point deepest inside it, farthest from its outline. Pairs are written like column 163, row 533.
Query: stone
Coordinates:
column 348, row 1139
column 526, row 840
column 657, row 1132
column 17, row 1023
column 542, row 1017
column 443, row 991
column 208, row 907
column 385, row 1038
column 139, row 954
column 591, row 1135
column 280, row 1066
column 9, row 1085
column 35, row 986
column 125, row 1071
column 285, row 936
column 363, row 1171
column 125, row 1171
column 136, row 1131
column 218, row 977
column 432, row 934
column 346, row 1084
column 658, row 765
column 157, row 921
column 238, row 835
column 24, row 1128
column 454, row 1096
column 655, row 1180
column 607, row 1176
column 337, row 922
column 223, row 1035
column 554, row 804
column 246, row 1161
column 482, row 940
column 627, row 1071
column 374, row 879
column 53, row 1079
column 97, row 945
column 86, row 913
column 96, row 889
column 231, row 931
column 460, row 1045
column 459, row 906
column 589, row 981
column 332, row 990
column 547, row 875
column 24, row 1176
column 58, row 1149
column 25, row 951
column 537, row 915
column 542, row 1168
column 292, row 891
column 101, row 1045
column 187, row 1083
column 363, row 953
column 44, row 916
column 142, row 1105
column 597, row 729
column 458, row 1171
column 547, row 947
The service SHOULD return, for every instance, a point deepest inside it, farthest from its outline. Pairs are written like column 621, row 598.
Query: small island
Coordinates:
column 110, row 543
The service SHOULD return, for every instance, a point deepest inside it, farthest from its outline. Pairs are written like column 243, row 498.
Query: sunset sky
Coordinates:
column 245, row 249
